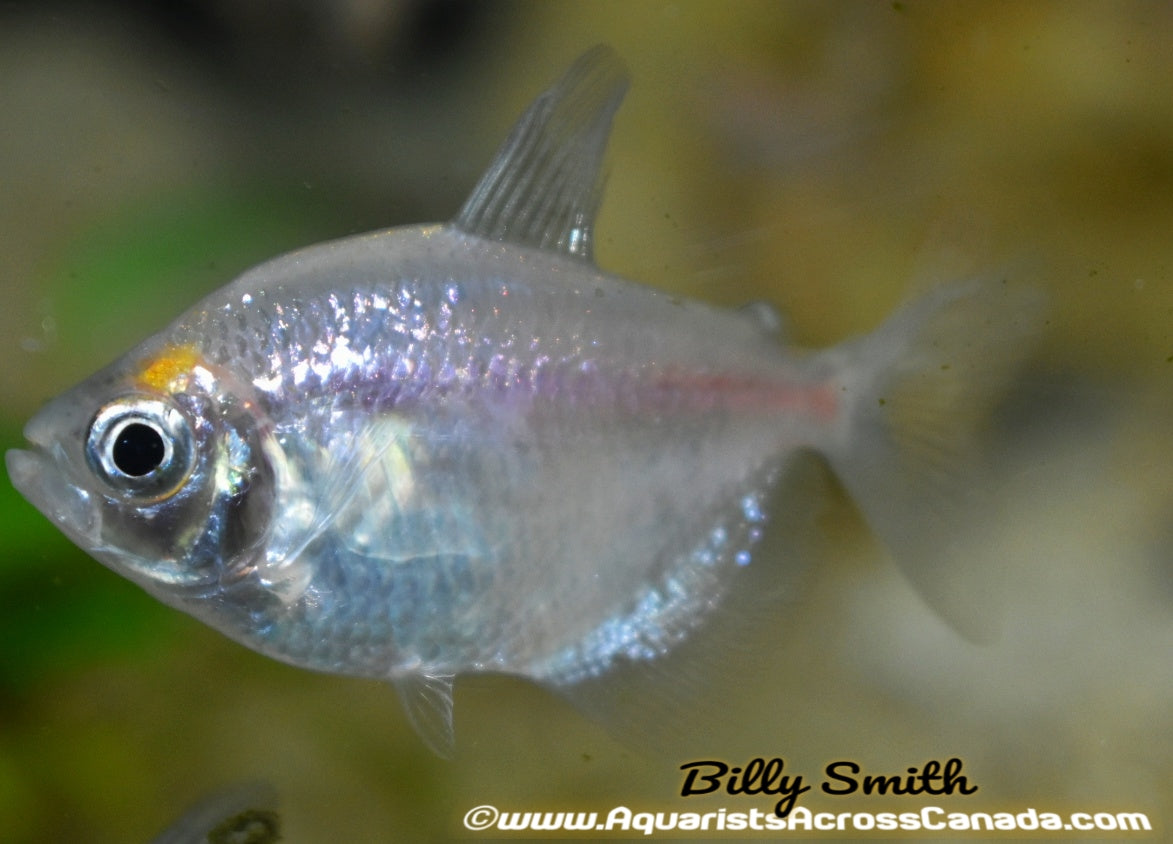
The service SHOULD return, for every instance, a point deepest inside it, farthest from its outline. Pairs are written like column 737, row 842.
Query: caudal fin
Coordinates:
column 917, row 394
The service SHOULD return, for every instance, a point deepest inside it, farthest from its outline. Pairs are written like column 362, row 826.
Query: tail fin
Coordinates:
column 917, row 393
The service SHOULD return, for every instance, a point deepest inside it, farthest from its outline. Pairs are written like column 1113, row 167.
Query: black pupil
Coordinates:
column 138, row 450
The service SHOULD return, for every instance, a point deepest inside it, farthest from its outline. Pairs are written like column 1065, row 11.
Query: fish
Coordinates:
column 461, row 448
column 241, row 813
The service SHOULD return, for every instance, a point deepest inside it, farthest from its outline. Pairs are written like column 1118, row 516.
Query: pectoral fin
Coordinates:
column 390, row 499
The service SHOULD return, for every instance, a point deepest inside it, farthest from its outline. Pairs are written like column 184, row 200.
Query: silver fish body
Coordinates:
column 464, row 448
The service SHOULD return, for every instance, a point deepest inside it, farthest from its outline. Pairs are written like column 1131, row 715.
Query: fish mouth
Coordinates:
column 40, row 479
column 43, row 474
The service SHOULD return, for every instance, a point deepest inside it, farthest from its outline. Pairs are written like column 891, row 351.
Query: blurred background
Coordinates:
column 830, row 158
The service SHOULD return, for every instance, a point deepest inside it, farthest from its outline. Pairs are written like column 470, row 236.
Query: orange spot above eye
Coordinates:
column 162, row 372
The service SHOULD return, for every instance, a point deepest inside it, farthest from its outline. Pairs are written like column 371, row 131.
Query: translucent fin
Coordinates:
column 689, row 579
column 388, row 502
column 679, row 703
column 917, row 394
column 428, row 701
column 767, row 318
column 544, row 186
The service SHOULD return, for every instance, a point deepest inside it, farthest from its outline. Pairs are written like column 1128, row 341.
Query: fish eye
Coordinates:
column 139, row 449
column 141, row 446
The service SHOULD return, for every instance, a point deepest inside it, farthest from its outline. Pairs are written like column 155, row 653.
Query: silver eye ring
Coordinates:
column 141, row 446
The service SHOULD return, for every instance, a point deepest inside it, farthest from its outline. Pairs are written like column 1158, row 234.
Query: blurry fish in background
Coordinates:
column 267, row 41
column 463, row 448
column 818, row 110
column 240, row 814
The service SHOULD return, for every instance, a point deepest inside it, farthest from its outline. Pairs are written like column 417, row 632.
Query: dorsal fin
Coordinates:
column 544, row 186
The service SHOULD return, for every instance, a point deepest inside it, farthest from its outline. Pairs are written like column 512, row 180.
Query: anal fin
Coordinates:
column 656, row 701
